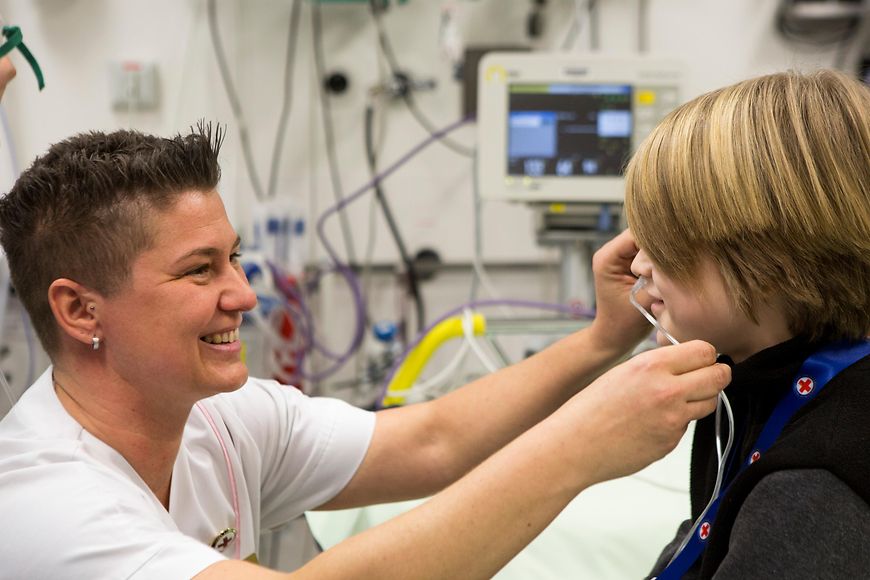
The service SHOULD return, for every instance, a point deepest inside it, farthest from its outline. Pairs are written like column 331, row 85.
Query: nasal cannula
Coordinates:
column 723, row 402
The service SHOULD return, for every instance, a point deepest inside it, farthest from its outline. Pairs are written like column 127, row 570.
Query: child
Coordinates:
column 751, row 208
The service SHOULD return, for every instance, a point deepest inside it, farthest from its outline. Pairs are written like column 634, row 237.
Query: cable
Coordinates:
column 576, row 26
column 408, row 99
column 235, row 104
column 329, row 136
column 642, row 26
column 410, row 267
column 7, row 390
column 366, row 270
column 468, row 331
column 479, row 276
column 571, row 309
column 444, row 374
column 594, row 42
column 352, row 281
column 288, row 96
column 5, row 276
column 343, row 270
column 722, row 455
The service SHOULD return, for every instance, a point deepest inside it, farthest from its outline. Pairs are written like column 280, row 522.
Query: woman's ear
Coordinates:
column 74, row 306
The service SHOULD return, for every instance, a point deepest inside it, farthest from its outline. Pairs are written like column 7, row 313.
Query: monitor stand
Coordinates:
column 578, row 230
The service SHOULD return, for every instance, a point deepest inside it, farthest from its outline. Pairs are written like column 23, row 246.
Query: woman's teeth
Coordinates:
column 222, row 337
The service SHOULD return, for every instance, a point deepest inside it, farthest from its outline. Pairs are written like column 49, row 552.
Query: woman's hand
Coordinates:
column 638, row 411
column 7, row 73
column 618, row 327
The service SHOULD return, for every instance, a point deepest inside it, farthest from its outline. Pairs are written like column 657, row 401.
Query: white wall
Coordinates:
column 74, row 40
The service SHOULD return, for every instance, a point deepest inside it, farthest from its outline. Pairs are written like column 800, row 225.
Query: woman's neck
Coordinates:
column 145, row 433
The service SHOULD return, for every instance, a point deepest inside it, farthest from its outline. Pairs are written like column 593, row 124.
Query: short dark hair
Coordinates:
column 82, row 210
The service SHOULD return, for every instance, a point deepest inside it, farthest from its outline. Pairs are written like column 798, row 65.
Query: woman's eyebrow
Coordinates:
column 208, row 251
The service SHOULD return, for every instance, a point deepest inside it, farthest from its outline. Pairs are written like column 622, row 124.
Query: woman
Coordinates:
column 150, row 451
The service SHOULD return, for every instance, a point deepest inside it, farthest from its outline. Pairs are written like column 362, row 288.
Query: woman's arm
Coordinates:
column 420, row 449
column 627, row 418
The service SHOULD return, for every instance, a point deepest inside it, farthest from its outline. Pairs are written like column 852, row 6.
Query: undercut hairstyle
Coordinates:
column 83, row 210
column 770, row 178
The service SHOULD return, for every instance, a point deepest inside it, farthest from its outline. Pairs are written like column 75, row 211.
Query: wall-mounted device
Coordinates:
column 557, row 127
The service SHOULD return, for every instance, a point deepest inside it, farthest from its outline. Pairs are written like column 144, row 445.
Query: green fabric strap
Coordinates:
column 14, row 40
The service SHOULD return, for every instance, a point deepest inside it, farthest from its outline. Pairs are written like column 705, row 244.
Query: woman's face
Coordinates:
column 705, row 311
column 173, row 328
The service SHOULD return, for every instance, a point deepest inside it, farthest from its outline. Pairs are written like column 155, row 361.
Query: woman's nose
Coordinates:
column 239, row 296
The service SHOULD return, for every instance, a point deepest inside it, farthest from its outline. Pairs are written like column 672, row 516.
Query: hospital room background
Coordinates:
column 401, row 240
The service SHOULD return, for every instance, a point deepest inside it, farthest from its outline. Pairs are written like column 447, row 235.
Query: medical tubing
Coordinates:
column 294, row 302
column 328, row 129
column 10, row 145
column 576, row 26
column 343, row 269
column 345, row 272
column 287, row 101
column 479, row 276
column 321, row 233
column 722, row 402
column 314, row 343
column 444, row 374
column 235, row 104
column 407, row 98
column 632, row 297
column 7, row 390
column 410, row 267
column 310, row 342
column 468, row 332
column 574, row 311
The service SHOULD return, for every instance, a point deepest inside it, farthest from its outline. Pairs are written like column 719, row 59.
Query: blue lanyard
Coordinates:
column 814, row 374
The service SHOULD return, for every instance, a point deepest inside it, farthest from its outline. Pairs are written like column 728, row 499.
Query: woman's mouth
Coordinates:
column 222, row 337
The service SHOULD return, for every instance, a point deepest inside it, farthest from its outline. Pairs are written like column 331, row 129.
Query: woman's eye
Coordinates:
column 235, row 257
column 199, row 271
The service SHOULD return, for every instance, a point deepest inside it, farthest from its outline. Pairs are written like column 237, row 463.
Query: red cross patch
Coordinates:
column 756, row 455
column 223, row 539
column 704, row 530
column 804, row 386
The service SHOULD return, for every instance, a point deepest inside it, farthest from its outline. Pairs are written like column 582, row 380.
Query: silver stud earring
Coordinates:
column 95, row 340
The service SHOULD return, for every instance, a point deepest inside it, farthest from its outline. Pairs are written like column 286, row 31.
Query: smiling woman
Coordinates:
column 186, row 286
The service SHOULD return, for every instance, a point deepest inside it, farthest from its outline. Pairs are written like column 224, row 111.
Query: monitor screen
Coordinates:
column 568, row 130
column 561, row 127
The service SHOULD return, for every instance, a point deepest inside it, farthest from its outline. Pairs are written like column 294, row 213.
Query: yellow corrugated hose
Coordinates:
column 416, row 360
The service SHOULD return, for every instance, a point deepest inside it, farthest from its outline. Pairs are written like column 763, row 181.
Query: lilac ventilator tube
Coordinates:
column 723, row 402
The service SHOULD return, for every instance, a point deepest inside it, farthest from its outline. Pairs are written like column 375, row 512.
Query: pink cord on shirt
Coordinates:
column 232, row 478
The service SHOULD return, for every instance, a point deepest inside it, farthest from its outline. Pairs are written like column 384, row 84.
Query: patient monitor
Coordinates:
column 555, row 131
column 559, row 127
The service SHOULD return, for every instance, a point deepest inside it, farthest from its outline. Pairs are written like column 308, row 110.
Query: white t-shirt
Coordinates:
column 72, row 507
